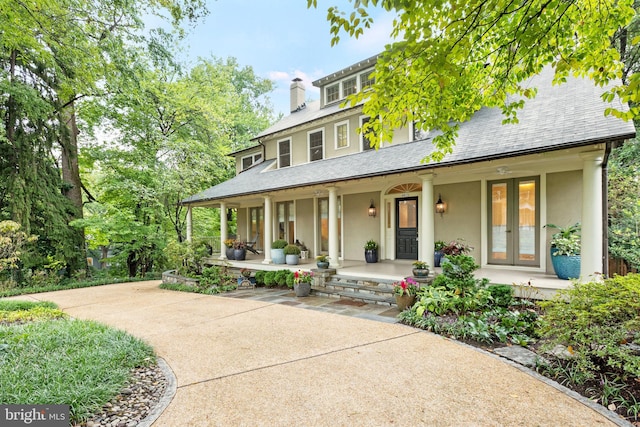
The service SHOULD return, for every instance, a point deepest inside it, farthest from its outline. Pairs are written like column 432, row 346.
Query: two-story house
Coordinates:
column 312, row 177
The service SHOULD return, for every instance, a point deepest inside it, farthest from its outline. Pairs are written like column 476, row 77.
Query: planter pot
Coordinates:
column 437, row 257
column 405, row 301
column 239, row 254
column 277, row 256
column 566, row 266
column 302, row 289
column 371, row 255
column 323, row 264
column 291, row 259
column 229, row 253
column 420, row 272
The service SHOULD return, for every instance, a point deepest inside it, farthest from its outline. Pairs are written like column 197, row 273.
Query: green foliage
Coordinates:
column 281, row 277
column 291, row 250
column 64, row 284
column 270, row 279
column 566, row 241
column 259, row 275
column 12, row 244
column 458, row 56
column 371, row 245
column 501, row 295
column 279, row 244
column 81, row 363
column 290, row 280
column 595, row 320
column 187, row 258
column 624, row 205
column 457, row 275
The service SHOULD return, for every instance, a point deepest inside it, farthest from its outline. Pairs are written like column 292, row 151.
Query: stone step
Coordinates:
column 368, row 298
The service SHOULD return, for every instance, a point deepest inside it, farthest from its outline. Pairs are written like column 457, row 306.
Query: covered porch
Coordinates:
column 537, row 285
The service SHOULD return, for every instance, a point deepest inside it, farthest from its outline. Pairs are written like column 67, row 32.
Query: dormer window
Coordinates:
column 251, row 160
column 366, row 80
column 333, row 93
column 349, row 86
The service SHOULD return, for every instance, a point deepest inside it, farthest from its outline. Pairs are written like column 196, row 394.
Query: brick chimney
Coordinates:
column 297, row 95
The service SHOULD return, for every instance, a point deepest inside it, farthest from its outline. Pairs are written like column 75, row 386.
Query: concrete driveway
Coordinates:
column 247, row 362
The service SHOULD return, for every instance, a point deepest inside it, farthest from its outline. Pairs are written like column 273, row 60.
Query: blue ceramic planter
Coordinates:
column 566, row 266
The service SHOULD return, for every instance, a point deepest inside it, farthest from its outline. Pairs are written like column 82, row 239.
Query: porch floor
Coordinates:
column 527, row 283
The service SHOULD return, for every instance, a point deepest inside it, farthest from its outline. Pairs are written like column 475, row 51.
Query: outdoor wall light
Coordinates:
column 372, row 209
column 440, row 208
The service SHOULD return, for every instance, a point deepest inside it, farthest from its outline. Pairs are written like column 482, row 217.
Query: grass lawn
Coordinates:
column 47, row 358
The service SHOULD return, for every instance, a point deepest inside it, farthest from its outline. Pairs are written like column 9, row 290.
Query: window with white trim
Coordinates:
column 366, row 144
column 349, row 86
column 316, row 145
column 367, row 80
column 284, row 153
column 342, row 135
column 333, row 93
column 250, row 160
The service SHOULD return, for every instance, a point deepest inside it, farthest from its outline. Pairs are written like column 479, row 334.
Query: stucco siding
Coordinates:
column 564, row 204
column 358, row 226
column 462, row 218
column 304, row 223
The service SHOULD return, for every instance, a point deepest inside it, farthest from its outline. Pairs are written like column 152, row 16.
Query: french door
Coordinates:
column 256, row 226
column 514, row 216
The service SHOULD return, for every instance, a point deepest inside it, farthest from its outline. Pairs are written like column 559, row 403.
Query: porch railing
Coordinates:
column 211, row 241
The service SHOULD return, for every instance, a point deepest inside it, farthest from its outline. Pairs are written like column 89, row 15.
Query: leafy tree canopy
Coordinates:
column 450, row 58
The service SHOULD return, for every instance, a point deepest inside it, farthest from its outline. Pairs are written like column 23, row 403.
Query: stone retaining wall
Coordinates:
column 170, row 276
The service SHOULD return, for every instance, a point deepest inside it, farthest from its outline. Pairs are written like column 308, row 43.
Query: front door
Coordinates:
column 407, row 228
column 514, row 222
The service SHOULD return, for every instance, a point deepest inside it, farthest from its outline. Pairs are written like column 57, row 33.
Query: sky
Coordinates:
column 282, row 39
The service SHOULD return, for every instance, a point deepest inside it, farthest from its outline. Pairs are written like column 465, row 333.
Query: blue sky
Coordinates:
column 282, row 39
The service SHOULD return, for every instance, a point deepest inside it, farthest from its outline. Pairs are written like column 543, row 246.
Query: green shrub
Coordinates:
column 595, row 321
column 281, row 277
column 290, row 278
column 260, row 277
column 291, row 250
column 279, row 244
column 457, row 275
column 502, row 295
column 270, row 278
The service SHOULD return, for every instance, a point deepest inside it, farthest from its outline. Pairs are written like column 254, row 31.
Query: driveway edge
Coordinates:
column 167, row 396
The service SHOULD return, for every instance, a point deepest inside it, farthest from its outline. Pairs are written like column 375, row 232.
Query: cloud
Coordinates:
column 283, row 79
column 373, row 40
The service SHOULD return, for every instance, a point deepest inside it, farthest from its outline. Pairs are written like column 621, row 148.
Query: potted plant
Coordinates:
column 565, row 251
column 405, row 293
column 420, row 269
column 277, row 251
column 437, row 253
column 292, row 254
column 371, row 251
column 229, row 249
column 239, row 250
column 302, row 283
column 322, row 261
column 456, row 247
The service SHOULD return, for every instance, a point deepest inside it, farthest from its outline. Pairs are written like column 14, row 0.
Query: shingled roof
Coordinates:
column 563, row 116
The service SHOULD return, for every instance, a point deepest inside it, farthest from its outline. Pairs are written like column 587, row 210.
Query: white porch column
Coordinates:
column 268, row 230
column 334, row 249
column 189, row 225
column 591, row 250
column 223, row 230
column 427, row 230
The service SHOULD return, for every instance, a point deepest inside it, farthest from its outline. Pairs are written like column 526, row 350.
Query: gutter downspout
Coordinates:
column 605, row 210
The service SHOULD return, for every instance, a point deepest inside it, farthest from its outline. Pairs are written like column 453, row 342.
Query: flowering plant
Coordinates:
column 405, row 287
column 228, row 243
column 238, row 244
column 322, row 258
column 420, row 265
column 302, row 277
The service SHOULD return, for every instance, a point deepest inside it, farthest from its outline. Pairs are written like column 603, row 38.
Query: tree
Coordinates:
column 53, row 54
column 171, row 133
column 453, row 57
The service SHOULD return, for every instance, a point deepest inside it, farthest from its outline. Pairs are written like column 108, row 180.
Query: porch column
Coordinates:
column 189, row 225
column 334, row 249
column 223, row 230
column 591, row 249
column 268, row 229
column 427, row 231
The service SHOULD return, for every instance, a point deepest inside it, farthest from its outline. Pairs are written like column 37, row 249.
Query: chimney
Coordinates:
column 297, row 95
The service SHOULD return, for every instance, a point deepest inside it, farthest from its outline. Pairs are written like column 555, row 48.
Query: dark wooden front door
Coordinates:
column 407, row 228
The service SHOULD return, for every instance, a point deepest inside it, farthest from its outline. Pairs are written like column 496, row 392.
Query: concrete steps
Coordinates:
column 366, row 289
